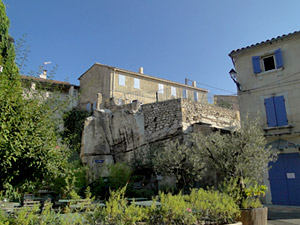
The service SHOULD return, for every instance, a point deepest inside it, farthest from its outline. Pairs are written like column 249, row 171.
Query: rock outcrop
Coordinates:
column 117, row 133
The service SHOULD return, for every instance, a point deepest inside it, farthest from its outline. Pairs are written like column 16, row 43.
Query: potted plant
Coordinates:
column 246, row 194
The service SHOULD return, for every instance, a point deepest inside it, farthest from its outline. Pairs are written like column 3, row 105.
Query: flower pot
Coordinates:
column 254, row 216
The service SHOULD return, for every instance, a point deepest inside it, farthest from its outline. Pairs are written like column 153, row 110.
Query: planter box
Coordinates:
column 254, row 216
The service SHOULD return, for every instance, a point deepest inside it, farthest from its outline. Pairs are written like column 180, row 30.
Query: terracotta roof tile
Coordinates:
column 47, row 80
column 263, row 42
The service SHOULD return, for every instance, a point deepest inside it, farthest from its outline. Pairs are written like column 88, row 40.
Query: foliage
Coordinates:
column 224, row 104
column 119, row 175
column 198, row 207
column 142, row 193
column 72, row 179
column 211, row 205
column 73, row 127
column 100, row 188
column 30, row 153
column 246, row 197
column 180, row 160
column 118, row 212
column 173, row 210
column 7, row 51
column 241, row 154
column 10, row 193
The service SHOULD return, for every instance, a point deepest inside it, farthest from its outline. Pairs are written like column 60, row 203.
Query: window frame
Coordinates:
column 173, row 91
column 258, row 64
column 160, row 89
column 136, row 83
column 122, row 82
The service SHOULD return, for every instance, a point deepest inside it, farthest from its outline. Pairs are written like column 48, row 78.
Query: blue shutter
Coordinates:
column 280, row 111
column 184, row 93
column 270, row 111
column 256, row 64
column 278, row 58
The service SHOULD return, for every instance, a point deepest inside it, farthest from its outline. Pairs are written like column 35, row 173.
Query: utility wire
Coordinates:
column 213, row 87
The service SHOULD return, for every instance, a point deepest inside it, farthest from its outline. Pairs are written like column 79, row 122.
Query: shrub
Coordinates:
column 173, row 210
column 118, row 212
column 213, row 206
column 247, row 196
column 119, row 175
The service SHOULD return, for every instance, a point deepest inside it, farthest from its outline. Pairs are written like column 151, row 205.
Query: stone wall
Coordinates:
column 162, row 116
column 215, row 116
column 118, row 133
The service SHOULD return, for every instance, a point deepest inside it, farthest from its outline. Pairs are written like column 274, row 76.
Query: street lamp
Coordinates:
column 232, row 73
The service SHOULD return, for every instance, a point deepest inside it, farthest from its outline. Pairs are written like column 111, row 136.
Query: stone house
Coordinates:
column 126, row 86
column 64, row 90
column 267, row 75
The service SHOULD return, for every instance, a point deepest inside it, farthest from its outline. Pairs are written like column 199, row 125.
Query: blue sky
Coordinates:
column 171, row 39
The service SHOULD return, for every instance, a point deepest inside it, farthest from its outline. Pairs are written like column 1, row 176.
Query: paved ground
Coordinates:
column 283, row 215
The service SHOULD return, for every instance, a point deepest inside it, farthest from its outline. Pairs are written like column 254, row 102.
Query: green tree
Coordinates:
column 73, row 127
column 241, row 153
column 29, row 151
column 180, row 160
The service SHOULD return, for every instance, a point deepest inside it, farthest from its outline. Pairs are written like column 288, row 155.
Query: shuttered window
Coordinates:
column 275, row 111
column 266, row 63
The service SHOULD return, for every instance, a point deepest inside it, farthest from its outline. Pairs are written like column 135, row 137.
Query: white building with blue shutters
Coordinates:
column 268, row 76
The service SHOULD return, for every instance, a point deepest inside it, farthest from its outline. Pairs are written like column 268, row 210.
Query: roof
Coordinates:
column 233, row 52
column 146, row 76
column 23, row 77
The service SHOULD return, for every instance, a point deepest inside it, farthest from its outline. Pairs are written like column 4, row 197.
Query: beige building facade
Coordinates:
column 268, row 75
column 127, row 86
column 62, row 90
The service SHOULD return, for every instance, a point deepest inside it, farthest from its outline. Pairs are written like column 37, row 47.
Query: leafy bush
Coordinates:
column 119, row 175
column 213, row 206
column 173, row 210
column 246, row 196
column 118, row 212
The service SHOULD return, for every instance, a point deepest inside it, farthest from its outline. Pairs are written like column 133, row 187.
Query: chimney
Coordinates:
column 194, row 84
column 44, row 74
column 141, row 70
column 185, row 80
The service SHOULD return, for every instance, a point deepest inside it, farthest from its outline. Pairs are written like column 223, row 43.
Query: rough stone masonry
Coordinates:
column 116, row 133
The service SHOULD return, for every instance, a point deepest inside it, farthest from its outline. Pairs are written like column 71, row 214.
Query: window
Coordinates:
column 121, row 80
column 173, row 91
column 136, row 83
column 275, row 111
column 196, row 96
column 267, row 62
column 160, row 88
column 184, row 93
